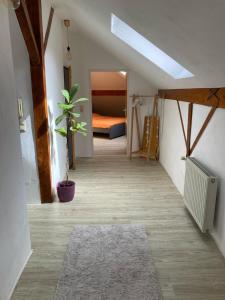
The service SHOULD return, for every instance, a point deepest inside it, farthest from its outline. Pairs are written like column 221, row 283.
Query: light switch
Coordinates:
column 23, row 126
column 22, row 122
column 20, row 108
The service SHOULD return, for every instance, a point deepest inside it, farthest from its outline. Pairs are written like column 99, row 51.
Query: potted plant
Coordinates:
column 72, row 125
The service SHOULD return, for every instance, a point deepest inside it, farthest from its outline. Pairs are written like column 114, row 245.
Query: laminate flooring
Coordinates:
column 104, row 146
column 114, row 190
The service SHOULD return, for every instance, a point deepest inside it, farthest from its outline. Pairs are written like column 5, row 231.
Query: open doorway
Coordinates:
column 109, row 112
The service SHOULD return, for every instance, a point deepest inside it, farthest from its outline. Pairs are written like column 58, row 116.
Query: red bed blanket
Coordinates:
column 99, row 121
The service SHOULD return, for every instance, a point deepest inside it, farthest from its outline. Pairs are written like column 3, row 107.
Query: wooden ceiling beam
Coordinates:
column 214, row 97
column 202, row 96
column 27, row 31
column 40, row 105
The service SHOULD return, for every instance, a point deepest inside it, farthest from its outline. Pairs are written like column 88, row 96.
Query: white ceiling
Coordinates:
column 192, row 32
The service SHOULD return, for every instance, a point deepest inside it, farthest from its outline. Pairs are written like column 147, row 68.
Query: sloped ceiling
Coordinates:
column 192, row 32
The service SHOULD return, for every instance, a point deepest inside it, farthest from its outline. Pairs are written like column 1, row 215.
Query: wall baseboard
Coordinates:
column 19, row 275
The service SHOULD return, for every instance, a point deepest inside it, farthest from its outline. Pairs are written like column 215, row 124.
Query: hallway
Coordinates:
column 104, row 146
column 114, row 190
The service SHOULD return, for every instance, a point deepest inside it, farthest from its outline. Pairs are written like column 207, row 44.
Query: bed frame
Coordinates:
column 113, row 131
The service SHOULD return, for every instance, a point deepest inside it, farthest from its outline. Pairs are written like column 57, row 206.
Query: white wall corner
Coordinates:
column 19, row 275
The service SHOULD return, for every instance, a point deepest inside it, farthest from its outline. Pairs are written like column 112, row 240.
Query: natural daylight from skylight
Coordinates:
column 135, row 40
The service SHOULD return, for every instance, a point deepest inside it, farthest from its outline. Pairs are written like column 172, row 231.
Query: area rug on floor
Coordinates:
column 108, row 262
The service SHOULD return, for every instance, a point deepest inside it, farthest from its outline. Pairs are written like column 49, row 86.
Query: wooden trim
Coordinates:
column 73, row 136
column 33, row 8
column 131, row 132
column 27, row 31
column 50, row 18
column 138, row 127
column 70, row 76
column 71, row 141
column 189, row 128
column 202, row 96
column 109, row 92
column 204, row 126
column 182, row 123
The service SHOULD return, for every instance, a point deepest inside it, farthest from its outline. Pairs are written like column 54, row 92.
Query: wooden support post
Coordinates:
column 153, row 123
column 131, row 133
column 48, row 28
column 28, row 33
column 204, row 126
column 189, row 129
column 182, row 123
column 41, row 132
column 138, row 127
column 132, row 126
column 30, row 13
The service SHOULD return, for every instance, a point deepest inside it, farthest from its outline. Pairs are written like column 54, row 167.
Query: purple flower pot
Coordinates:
column 66, row 191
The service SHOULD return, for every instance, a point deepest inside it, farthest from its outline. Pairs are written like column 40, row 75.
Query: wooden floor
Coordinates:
column 104, row 146
column 113, row 190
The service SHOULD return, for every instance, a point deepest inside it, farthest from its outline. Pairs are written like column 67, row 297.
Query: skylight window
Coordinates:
column 135, row 40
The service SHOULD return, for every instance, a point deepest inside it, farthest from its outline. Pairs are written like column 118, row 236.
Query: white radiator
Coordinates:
column 200, row 191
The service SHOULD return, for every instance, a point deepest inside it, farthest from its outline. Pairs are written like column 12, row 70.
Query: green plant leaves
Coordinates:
column 59, row 119
column 69, row 114
column 66, row 95
column 80, row 100
column 62, row 131
column 82, row 125
column 79, row 127
column 65, row 107
column 74, row 114
column 73, row 129
column 74, row 90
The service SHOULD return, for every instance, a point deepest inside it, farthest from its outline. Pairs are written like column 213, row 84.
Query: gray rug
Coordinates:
column 108, row 262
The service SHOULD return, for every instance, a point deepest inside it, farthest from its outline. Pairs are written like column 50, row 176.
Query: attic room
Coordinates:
column 130, row 208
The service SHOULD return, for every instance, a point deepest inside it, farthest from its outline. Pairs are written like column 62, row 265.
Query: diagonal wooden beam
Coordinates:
column 27, row 31
column 138, row 126
column 50, row 18
column 189, row 128
column 203, row 128
column 197, row 95
column 182, row 122
column 39, row 100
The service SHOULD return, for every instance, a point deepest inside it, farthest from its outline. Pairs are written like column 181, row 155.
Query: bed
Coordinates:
column 113, row 126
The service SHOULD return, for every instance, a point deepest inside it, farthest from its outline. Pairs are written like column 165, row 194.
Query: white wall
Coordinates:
column 55, row 83
column 23, row 90
column 15, row 246
column 209, row 151
column 87, row 57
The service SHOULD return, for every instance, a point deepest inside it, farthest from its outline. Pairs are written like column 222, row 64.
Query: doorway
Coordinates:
column 109, row 112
